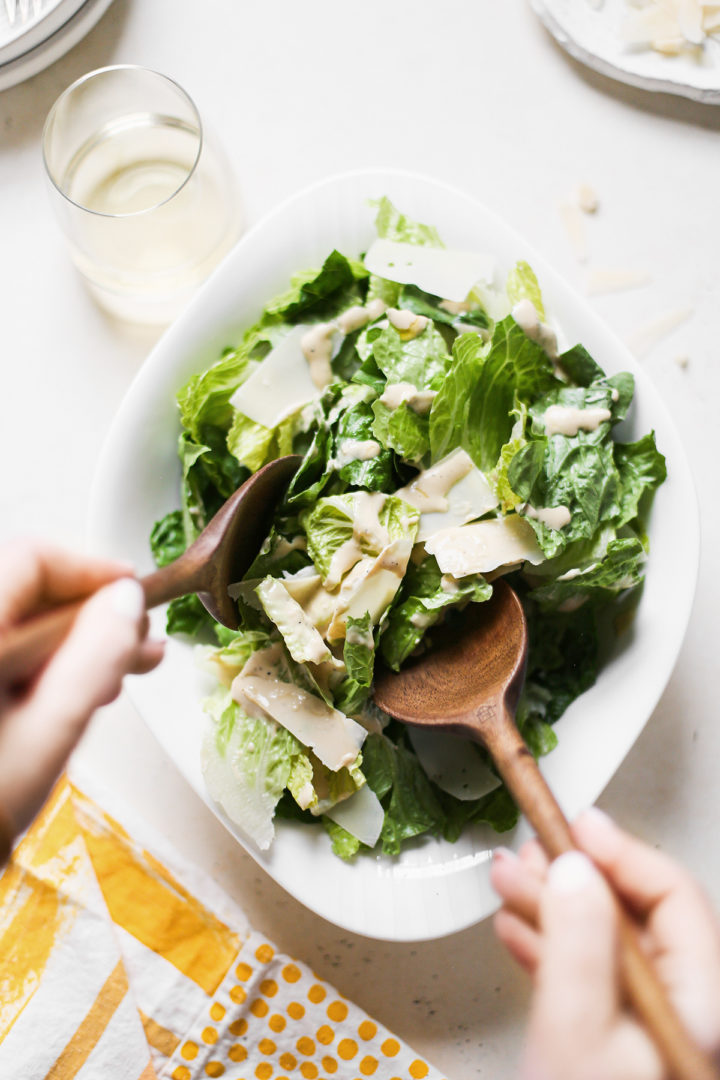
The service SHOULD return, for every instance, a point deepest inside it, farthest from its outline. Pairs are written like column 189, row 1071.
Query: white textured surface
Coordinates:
column 284, row 85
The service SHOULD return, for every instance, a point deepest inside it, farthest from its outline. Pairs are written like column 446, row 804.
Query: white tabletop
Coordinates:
column 478, row 95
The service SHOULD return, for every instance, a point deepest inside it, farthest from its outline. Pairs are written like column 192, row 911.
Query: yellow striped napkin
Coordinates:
column 112, row 968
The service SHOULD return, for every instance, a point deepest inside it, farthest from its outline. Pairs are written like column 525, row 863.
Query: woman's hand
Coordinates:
column 41, row 721
column 559, row 923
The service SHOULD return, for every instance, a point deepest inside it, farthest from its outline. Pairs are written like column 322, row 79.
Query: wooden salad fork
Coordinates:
column 468, row 683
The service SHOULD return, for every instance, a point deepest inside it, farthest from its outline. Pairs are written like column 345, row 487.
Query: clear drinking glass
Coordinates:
column 145, row 196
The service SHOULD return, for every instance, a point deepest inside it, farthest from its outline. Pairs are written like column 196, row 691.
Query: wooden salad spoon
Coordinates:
column 219, row 556
column 469, row 683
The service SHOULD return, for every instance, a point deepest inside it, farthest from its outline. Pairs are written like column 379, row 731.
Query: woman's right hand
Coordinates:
column 559, row 922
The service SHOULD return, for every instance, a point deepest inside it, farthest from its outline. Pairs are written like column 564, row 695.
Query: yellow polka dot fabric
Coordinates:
column 159, row 980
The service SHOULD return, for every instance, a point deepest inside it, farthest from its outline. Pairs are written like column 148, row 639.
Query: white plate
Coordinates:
column 53, row 47
column 593, row 36
column 433, row 888
column 20, row 36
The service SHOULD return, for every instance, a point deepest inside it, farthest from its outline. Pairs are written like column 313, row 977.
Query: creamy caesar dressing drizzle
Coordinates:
column 526, row 316
column 567, row 420
column 449, row 584
column 555, row 517
column 317, row 347
column 369, row 535
column 356, row 636
column 407, row 323
column 317, row 342
column 428, row 491
column 396, row 394
column 343, row 560
column 356, row 450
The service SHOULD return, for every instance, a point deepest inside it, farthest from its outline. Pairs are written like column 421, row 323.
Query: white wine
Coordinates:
column 154, row 210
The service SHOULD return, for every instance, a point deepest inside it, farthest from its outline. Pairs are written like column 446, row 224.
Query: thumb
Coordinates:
column 577, row 994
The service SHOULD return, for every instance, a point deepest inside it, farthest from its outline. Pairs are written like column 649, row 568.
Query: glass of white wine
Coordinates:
column 145, row 196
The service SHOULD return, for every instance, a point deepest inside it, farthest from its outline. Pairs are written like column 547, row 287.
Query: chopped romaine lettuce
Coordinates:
column 348, row 568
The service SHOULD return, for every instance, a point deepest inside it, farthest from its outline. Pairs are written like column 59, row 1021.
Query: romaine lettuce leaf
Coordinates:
column 392, row 225
column 332, row 522
column 402, row 430
column 254, row 445
column 374, row 473
column 419, row 604
column 522, row 284
column 570, row 472
column 246, row 763
column 642, row 469
column 474, row 407
column 422, row 361
column 359, row 657
column 621, row 568
column 563, row 660
column 415, row 299
column 408, row 797
column 167, row 538
column 324, row 293
column 448, row 422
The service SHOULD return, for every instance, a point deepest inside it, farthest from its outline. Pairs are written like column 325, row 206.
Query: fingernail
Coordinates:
column 571, row 872
column 127, row 598
column 504, row 853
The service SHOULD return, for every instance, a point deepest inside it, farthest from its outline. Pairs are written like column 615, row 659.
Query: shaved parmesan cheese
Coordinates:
column 453, row 764
column 440, row 271
column 370, row 587
column 450, row 493
column 603, row 280
column 587, row 199
column 335, row 738
column 361, row 815
column 479, row 548
column 302, row 639
column 279, row 386
column 645, row 337
column 317, row 603
column 668, row 26
column 572, row 220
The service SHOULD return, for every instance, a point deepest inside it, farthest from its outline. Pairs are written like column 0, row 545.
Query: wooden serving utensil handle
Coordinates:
column 25, row 647
column 530, row 791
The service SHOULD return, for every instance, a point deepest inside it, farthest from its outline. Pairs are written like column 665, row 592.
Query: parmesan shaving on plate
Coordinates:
column 645, row 337
column 670, row 26
column 607, row 279
column 572, row 219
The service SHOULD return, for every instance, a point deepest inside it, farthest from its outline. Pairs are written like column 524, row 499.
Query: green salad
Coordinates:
column 445, row 440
